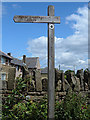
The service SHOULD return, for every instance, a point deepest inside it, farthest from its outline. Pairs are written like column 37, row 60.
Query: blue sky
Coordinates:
column 71, row 37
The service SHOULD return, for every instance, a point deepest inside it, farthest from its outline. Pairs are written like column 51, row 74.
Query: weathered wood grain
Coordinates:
column 51, row 70
column 36, row 19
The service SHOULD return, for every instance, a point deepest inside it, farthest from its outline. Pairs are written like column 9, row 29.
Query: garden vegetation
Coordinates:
column 16, row 107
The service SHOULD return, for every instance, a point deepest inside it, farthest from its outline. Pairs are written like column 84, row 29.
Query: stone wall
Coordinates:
column 71, row 81
column 44, row 79
column 63, row 82
column 38, row 80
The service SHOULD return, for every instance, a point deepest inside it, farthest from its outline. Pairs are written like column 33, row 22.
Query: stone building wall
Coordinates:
column 10, row 71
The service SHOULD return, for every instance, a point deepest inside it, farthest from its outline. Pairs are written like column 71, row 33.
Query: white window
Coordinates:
column 3, row 76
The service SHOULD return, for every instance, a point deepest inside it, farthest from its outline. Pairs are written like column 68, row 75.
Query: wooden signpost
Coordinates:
column 51, row 20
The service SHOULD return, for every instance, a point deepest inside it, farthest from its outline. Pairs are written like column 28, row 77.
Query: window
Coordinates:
column 3, row 60
column 3, row 76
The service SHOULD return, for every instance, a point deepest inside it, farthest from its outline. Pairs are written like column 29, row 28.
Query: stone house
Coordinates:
column 13, row 68
column 7, row 73
column 32, row 64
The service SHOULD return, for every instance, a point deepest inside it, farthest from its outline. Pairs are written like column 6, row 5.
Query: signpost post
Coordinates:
column 51, row 20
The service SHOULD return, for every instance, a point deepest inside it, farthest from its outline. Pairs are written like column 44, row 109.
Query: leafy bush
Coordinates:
column 27, row 110
column 15, row 107
column 73, row 107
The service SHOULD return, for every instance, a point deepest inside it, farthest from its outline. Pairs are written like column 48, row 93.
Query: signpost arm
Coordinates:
column 51, row 70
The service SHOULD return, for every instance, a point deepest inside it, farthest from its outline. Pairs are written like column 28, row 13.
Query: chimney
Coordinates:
column 9, row 54
column 24, row 58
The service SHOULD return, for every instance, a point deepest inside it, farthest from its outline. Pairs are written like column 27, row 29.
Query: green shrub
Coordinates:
column 73, row 107
column 27, row 111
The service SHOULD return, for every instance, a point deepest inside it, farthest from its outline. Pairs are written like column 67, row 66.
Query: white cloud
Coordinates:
column 38, row 46
column 69, row 51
